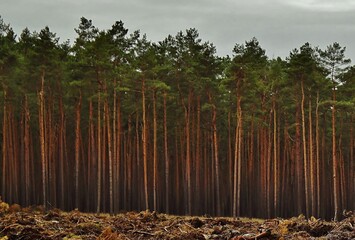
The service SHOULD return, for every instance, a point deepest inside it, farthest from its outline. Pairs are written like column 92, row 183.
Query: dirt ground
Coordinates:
column 34, row 223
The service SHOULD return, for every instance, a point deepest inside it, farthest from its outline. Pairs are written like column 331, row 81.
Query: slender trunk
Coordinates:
column 42, row 141
column 92, row 154
column 4, row 147
column 324, row 175
column 268, row 168
column 251, row 179
column 215, row 155
column 342, row 193
column 114, row 148
column 335, row 162
column 61, row 153
column 177, row 177
column 155, row 152
column 27, row 151
column 311, row 159
column 198, row 157
column 305, row 163
column 98, row 207
column 230, row 158
column 119, row 152
column 240, row 128
column 212, row 185
column 109, row 146
column 77, row 150
column 187, row 111
column 298, row 163
column 352, row 165
column 138, row 161
column 317, row 157
column 49, row 126
column 12, row 157
column 144, row 143
column 188, row 156
column 130, row 171
column 237, row 160
column 276, row 164
column 166, row 156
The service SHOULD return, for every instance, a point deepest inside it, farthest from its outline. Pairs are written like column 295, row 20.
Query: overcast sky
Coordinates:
column 279, row 25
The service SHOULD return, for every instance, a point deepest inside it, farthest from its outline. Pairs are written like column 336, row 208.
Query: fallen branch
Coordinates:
column 259, row 236
column 143, row 232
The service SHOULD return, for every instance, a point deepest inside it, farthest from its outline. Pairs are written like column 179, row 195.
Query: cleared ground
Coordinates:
column 34, row 223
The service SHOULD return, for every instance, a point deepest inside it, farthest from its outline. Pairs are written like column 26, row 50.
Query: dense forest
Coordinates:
column 115, row 122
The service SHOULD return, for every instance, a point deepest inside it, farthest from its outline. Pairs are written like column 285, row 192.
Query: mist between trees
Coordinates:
column 115, row 122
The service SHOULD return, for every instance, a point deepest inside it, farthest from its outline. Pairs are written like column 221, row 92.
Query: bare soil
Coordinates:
column 35, row 223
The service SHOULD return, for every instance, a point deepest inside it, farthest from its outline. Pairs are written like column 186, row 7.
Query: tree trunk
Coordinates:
column 114, row 148
column 305, row 163
column 77, row 151
column 268, row 168
column 138, row 162
column 118, row 159
column 188, row 159
column 26, row 141
column 98, row 207
column 276, row 164
column 317, row 158
column 109, row 146
column 61, row 153
column 237, row 160
column 230, row 159
column 4, row 147
column 166, row 156
column 215, row 155
column 311, row 159
column 335, row 162
column 42, row 140
column 144, row 143
column 250, row 175
column 352, row 165
column 298, row 163
column 92, row 156
column 155, row 152
column 198, row 157
column 240, row 128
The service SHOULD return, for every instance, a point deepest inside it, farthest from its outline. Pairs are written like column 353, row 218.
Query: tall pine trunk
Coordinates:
column 276, row 164
column 237, row 157
column 27, row 159
column 109, row 146
column 41, row 117
column 155, row 153
column 98, row 207
column 318, row 179
column 145, row 147
column 198, row 157
column 215, row 153
column 335, row 162
column 311, row 159
column 118, row 152
column 77, row 151
column 4, row 147
column 188, row 155
column 166, row 156
column 298, row 163
column 305, row 163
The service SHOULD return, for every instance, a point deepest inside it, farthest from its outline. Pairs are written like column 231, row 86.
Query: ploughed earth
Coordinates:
column 34, row 223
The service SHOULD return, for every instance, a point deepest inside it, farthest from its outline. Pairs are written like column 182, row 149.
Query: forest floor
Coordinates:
column 34, row 223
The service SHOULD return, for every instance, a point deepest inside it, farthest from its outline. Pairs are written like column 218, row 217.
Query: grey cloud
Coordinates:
column 323, row 5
